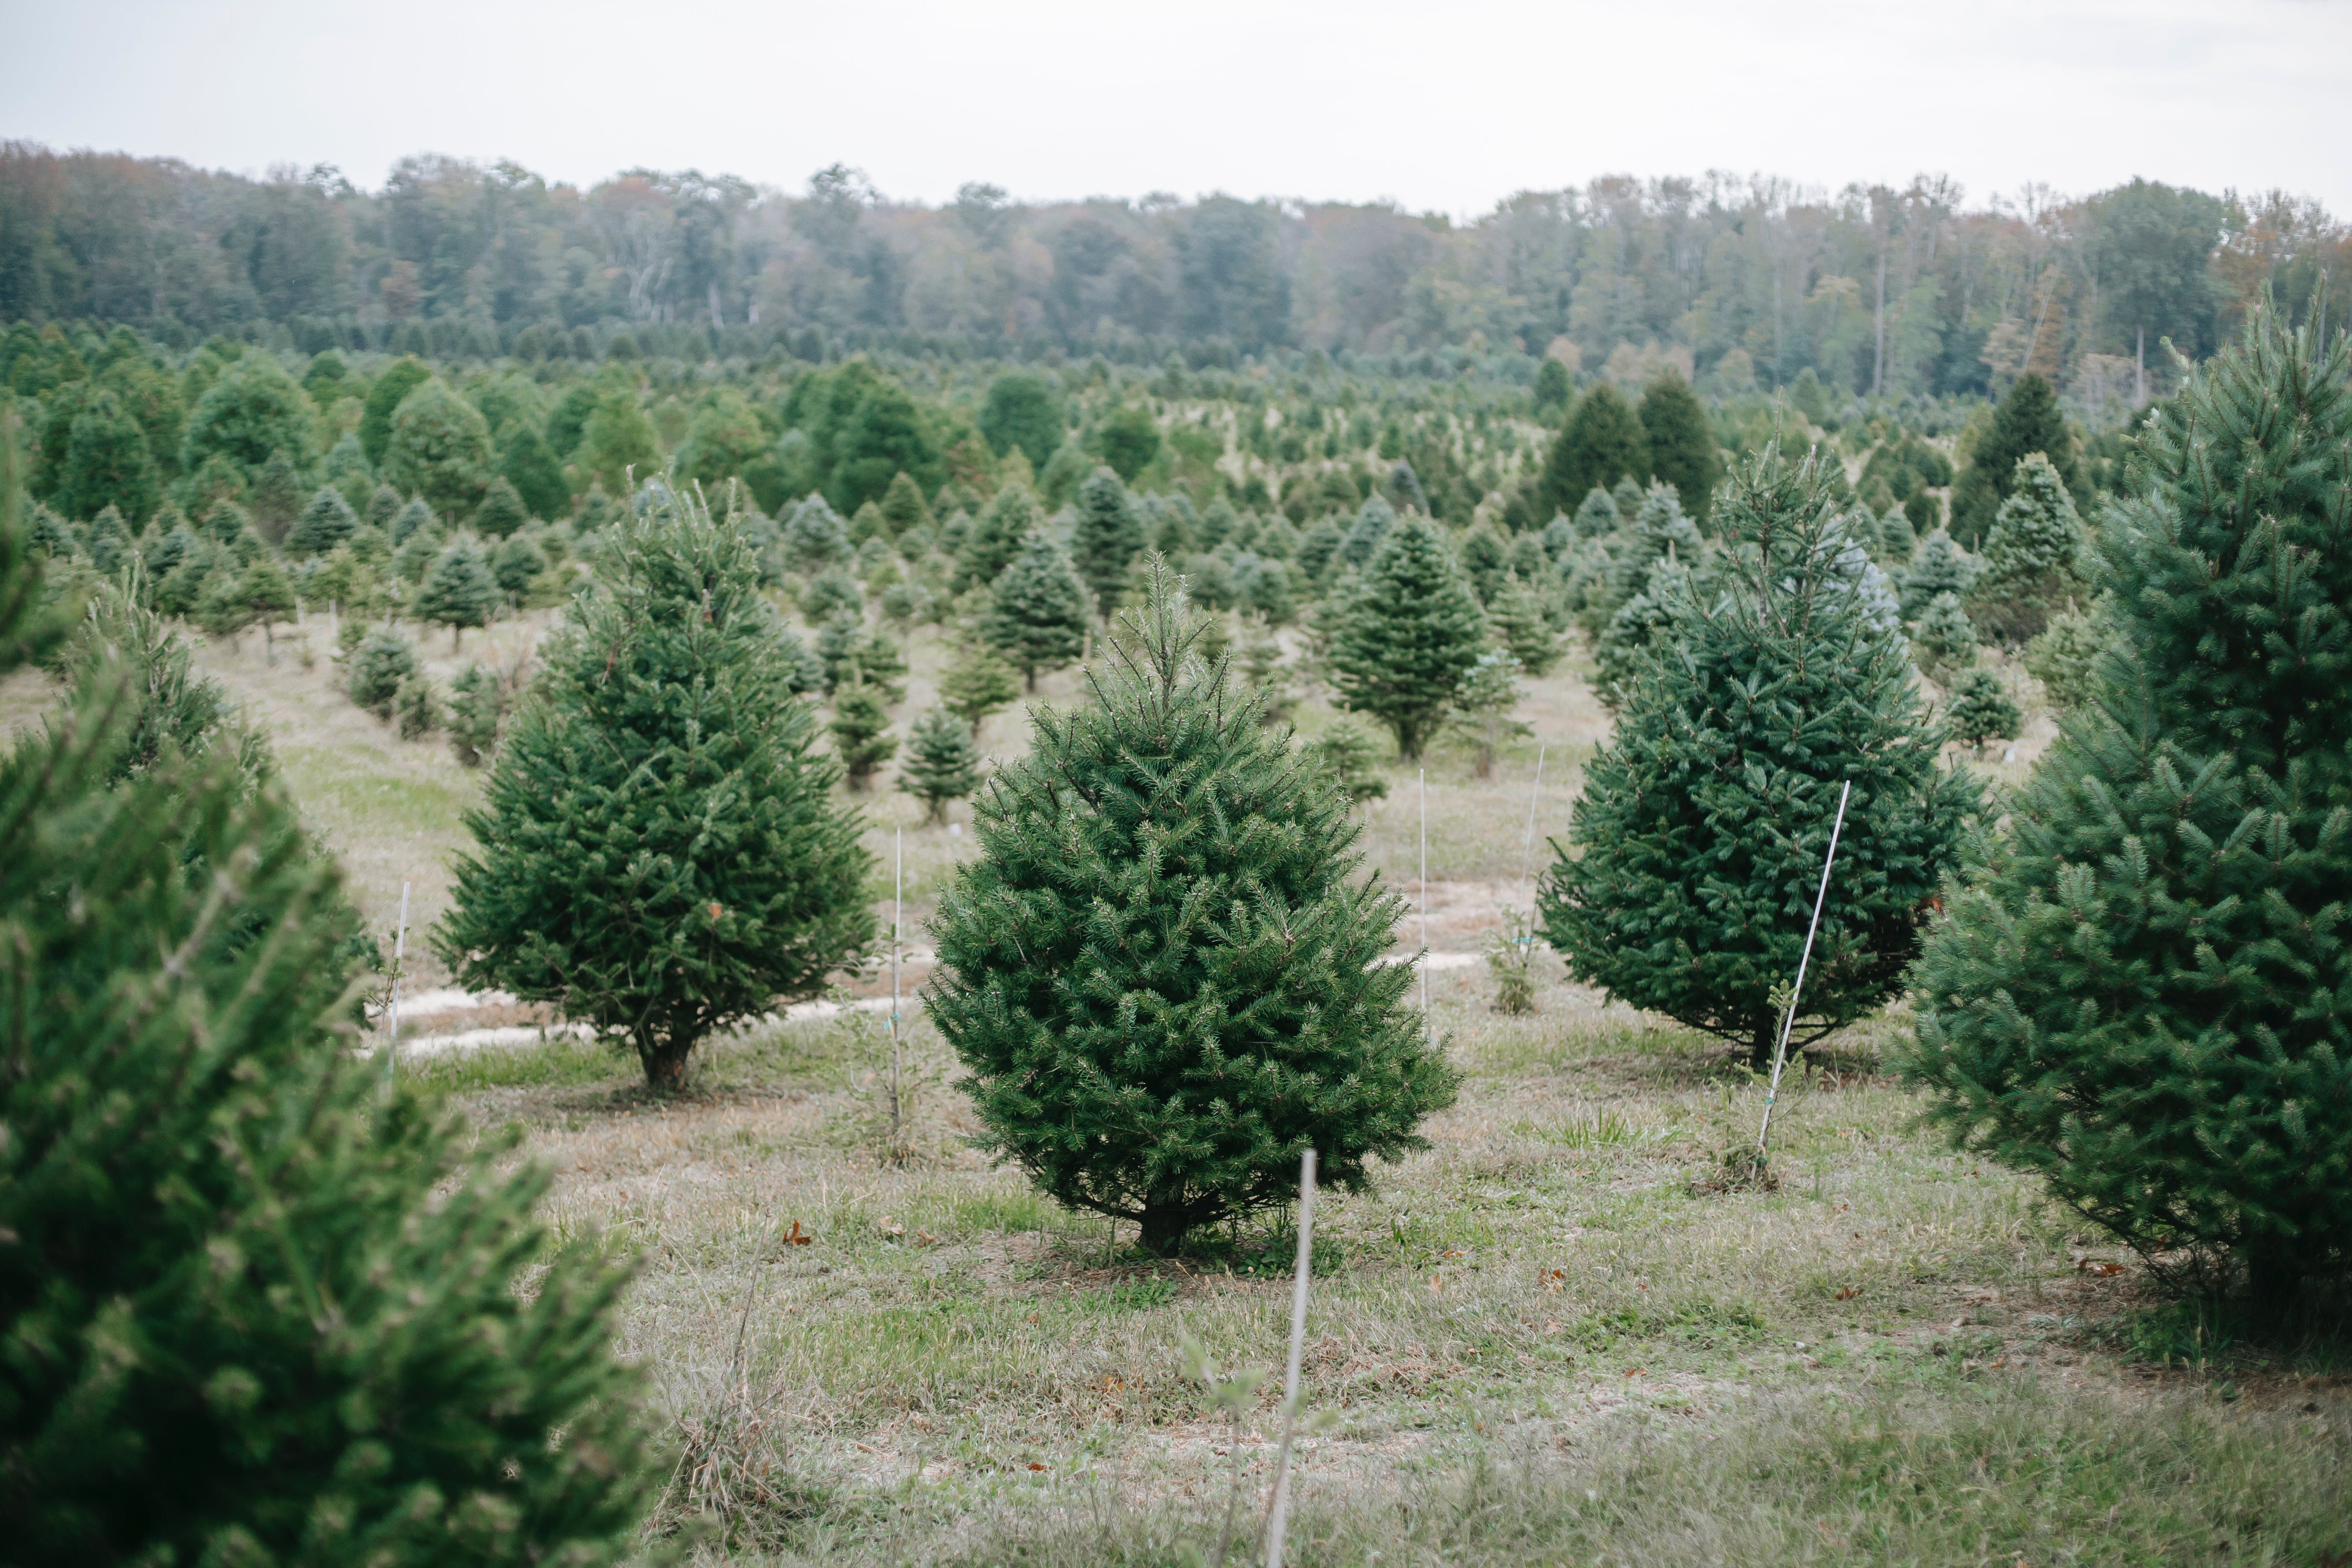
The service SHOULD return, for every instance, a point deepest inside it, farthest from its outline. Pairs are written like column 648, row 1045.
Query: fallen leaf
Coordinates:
column 1849, row 1293
column 1437, row 1284
column 796, row 1237
column 1634, row 1372
column 1553, row 1278
column 1456, row 1252
column 891, row 1227
column 1551, row 1325
column 924, row 1238
column 1036, row 1466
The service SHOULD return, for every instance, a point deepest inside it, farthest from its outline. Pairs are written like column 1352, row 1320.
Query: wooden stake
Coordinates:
column 1279, row 1518
column 1781, row 1052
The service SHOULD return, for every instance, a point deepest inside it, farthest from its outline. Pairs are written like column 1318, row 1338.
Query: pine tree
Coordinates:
column 381, row 663
column 501, row 513
column 1981, row 711
column 2032, row 555
column 1600, row 444
column 108, row 463
column 259, row 1303
column 1105, row 537
column 1407, row 635
column 1938, row 566
column 2133, row 993
column 1682, row 886
column 1037, row 615
column 1945, row 640
column 326, row 522
column 459, row 591
column 942, row 763
column 1162, row 972
column 997, row 534
column 1680, row 443
column 976, row 685
column 659, row 855
column 2025, row 421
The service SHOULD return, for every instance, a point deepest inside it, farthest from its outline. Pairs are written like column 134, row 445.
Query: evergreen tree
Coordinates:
column 976, row 685
column 410, row 521
column 518, row 567
column 325, row 523
column 1596, row 515
column 1695, row 848
column 1485, row 559
column 1897, row 539
column 384, row 511
column 1402, row 490
column 416, row 707
column 1022, row 411
column 1037, row 615
column 107, row 463
column 268, row 595
column 276, row 495
column 1600, row 444
column 476, row 712
column 1160, row 972
column 1938, row 566
column 2025, row 421
column 997, row 534
column 1105, row 537
column 1680, row 443
column 1346, row 748
column 1553, row 387
column 1518, row 617
column 2064, row 659
column 659, row 855
column 1981, row 711
column 221, row 609
column 903, row 507
column 260, row 1303
column 1363, row 538
column 105, row 541
column 440, row 450
column 1482, row 707
column 2030, row 555
column 379, row 666
column 501, row 514
column 405, row 376
column 2133, row 993
column 459, row 591
column 942, row 763
column 1407, row 635
column 1945, row 640
column 526, row 463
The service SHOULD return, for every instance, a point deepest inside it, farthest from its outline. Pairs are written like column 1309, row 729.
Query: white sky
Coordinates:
column 1444, row 107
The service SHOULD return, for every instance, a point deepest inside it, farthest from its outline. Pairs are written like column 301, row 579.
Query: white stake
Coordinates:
column 1781, row 1052
column 1527, row 851
column 1424, row 904
column 897, row 931
column 399, row 961
column 1280, row 1516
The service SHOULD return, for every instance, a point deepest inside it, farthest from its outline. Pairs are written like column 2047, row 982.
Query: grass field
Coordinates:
column 1544, row 1339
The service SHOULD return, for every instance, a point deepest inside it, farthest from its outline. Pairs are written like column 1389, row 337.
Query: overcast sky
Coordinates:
column 1439, row 106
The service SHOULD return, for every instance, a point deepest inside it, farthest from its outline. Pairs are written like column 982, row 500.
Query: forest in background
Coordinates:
column 1737, row 282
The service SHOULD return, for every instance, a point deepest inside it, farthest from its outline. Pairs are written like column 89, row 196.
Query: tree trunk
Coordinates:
column 2272, row 1278
column 1162, row 1228
column 665, row 1064
column 1762, row 1036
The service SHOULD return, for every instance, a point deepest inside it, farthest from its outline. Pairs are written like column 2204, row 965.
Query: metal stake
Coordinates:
column 1527, row 851
column 1789, row 1023
column 897, row 932
column 1280, row 1517
column 1424, row 902
column 399, row 962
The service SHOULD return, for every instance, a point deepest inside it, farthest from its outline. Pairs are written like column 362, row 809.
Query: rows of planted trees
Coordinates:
column 255, row 1297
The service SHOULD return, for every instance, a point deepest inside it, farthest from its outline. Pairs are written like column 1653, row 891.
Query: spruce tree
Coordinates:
column 501, row 513
column 326, row 522
column 1945, row 640
column 1105, row 536
column 1938, row 566
column 659, row 855
column 2064, row 659
column 1482, row 707
column 903, row 507
column 259, row 1303
column 1037, row 615
column 1518, row 617
column 1981, row 711
column 528, row 465
column 2032, row 555
column 379, row 665
column 1162, row 972
column 268, row 595
column 1347, row 750
column 383, row 509
column 976, row 685
column 2135, row 992
column 518, row 567
column 459, row 591
column 1596, row 515
column 1680, row 443
column 476, row 710
column 1362, row 539
column 942, row 763
column 1600, row 444
column 2027, row 420
column 997, row 534
column 860, row 728
column 1407, row 635
column 1687, row 880
column 276, row 495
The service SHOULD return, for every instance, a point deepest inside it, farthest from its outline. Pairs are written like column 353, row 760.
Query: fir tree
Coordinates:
column 326, row 522
column 528, row 465
column 1600, row 444
column 1680, row 444
column 2064, row 659
column 1347, row 750
column 976, row 685
column 1945, row 640
column 459, row 591
column 2027, row 420
column 276, row 495
column 259, row 1303
column 1683, row 885
column 383, row 509
column 1482, row 707
column 2030, row 555
column 476, row 712
column 903, row 507
column 268, row 595
column 860, row 728
column 942, row 763
column 1363, row 538
column 1981, row 711
column 997, row 534
column 1407, row 635
column 416, row 707
column 412, row 520
column 833, row 596
column 659, row 855
column 1897, row 539
column 381, row 663
column 1938, row 566
column 1036, row 614
column 405, row 376
column 1553, row 387
column 108, row 463
column 2133, row 993
column 501, row 513
column 518, row 567
column 1596, row 515
column 1105, row 537
column 1162, row 972
column 1485, row 559
column 221, row 609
